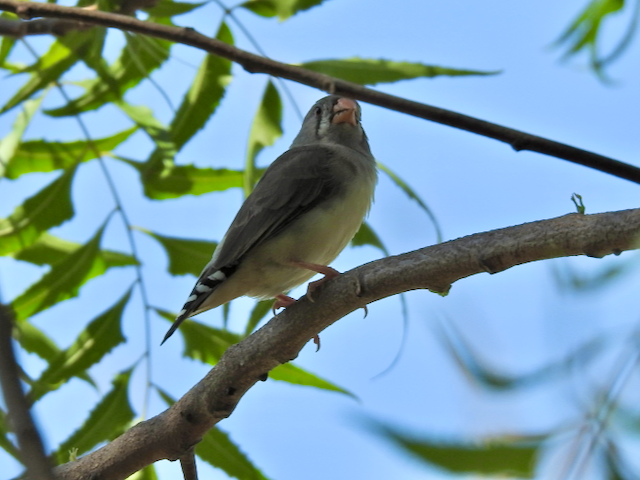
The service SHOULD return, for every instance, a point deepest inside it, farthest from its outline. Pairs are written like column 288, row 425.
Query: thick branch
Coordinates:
column 172, row 433
column 256, row 64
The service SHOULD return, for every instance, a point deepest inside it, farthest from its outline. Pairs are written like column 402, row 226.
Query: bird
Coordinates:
column 306, row 208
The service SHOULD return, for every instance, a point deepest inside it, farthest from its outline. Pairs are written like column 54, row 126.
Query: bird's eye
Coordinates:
column 317, row 111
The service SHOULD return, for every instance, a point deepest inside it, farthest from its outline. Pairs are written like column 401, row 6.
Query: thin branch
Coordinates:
column 174, row 432
column 29, row 441
column 257, row 64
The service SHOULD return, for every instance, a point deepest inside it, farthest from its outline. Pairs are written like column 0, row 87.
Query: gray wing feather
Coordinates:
column 295, row 182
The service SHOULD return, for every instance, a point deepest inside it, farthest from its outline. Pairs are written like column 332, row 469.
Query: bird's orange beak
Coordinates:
column 345, row 111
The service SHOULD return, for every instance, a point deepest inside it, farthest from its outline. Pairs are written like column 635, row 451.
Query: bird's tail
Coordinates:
column 205, row 286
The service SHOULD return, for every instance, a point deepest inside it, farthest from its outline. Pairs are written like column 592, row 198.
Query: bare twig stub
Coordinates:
column 174, row 432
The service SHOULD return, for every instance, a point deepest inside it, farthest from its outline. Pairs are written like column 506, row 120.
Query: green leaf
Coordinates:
column 108, row 419
column 48, row 208
column 217, row 449
column 288, row 372
column 366, row 236
column 265, row 130
column 63, row 54
column 476, row 369
column 204, row 95
column 34, row 340
column 101, row 336
column 162, row 157
column 414, row 196
column 282, row 8
column 169, row 8
column 185, row 256
column 583, row 32
column 7, row 42
column 204, row 343
column 147, row 473
column 369, row 71
column 171, row 181
column 500, row 456
column 140, row 57
column 49, row 250
column 44, row 156
column 258, row 313
column 208, row 344
column 10, row 144
column 63, row 281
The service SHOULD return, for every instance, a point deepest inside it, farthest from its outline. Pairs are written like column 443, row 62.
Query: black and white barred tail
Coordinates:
column 203, row 288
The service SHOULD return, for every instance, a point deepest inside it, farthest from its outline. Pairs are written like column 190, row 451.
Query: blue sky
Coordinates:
column 516, row 321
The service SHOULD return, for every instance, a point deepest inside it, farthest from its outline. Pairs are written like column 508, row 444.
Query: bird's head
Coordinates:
column 334, row 120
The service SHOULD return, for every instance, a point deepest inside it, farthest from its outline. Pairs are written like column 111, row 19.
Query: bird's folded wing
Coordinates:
column 296, row 182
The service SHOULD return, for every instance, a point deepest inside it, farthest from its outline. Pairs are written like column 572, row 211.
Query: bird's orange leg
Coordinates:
column 328, row 273
column 282, row 301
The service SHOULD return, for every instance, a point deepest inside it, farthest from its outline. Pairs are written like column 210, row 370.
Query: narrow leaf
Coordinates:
column 48, row 208
column 49, row 250
column 147, row 473
column 162, row 157
column 282, row 8
column 108, row 419
column 44, row 156
column 583, row 33
column 288, row 372
column 140, row 57
column 185, row 256
column 7, row 43
column 101, row 336
column 501, row 456
column 169, row 8
column 63, row 280
column 65, row 52
column 204, row 343
column 208, row 344
column 204, row 95
column 260, row 310
column 34, row 340
column 217, row 449
column 172, row 181
column 476, row 369
column 10, row 143
column 366, row 236
column 368, row 71
column 265, row 130
column 414, row 196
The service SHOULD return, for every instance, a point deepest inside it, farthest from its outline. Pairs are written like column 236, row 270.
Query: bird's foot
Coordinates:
column 316, row 340
column 328, row 273
column 282, row 301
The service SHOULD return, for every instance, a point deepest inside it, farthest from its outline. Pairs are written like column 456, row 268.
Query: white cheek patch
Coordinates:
column 325, row 121
column 217, row 276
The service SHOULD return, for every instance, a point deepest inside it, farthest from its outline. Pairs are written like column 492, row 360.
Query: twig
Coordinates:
column 257, row 64
column 29, row 441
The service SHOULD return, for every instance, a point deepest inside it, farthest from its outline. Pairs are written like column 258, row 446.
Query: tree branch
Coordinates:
column 257, row 64
column 174, row 432
column 31, row 448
